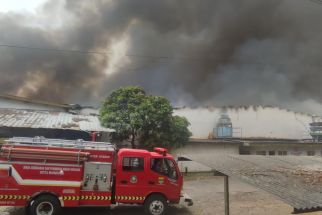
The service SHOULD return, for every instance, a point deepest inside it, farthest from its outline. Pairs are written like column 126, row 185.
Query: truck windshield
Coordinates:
column 165, row 167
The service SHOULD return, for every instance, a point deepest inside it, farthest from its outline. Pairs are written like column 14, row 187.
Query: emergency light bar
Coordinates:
column 161, row 151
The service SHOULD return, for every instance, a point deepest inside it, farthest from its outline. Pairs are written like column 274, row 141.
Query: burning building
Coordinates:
column 21, row 116
column 253, row 130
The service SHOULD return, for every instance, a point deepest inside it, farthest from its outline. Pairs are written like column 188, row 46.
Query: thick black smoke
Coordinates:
column 196, row 53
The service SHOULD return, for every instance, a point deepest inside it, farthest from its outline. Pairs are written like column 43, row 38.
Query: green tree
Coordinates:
column 145, row 120
column 175, row 135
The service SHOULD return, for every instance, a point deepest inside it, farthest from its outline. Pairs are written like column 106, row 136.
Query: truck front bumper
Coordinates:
column 186, row 200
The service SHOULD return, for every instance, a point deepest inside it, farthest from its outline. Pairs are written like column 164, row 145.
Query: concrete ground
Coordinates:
column 208, row 196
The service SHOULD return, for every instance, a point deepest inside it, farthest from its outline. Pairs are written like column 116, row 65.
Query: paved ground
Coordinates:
column 207, row 192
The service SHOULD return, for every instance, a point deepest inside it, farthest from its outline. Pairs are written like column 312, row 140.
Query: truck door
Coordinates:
column 165, row 178
column 131, row 181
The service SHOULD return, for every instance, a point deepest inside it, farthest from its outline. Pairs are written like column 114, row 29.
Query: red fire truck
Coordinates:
column 45, row 175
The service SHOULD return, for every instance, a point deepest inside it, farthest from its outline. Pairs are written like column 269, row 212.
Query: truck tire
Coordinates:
column 44, row 205
column 155, row 205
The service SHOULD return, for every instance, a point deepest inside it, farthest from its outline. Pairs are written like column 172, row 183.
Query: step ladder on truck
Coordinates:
column 45, row 175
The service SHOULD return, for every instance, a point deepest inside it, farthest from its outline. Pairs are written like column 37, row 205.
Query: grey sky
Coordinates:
column 19, row 5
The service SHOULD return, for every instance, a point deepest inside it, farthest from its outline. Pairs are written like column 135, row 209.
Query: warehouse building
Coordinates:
column 251, row 130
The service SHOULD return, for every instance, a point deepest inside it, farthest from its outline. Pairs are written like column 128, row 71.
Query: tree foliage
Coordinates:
column 145, row 120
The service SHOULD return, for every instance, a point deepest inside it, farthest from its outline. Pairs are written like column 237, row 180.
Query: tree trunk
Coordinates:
column 133, row 141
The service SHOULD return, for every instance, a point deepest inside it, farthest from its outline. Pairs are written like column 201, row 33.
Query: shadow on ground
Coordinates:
column 119, row 210
column 122, row 210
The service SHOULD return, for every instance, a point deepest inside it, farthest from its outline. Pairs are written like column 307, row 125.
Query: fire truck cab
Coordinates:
column 45, row 175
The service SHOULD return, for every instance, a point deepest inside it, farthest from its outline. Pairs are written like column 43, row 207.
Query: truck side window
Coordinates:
column 134, row 164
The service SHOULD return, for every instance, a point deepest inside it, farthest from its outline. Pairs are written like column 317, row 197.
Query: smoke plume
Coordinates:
column 196, row 53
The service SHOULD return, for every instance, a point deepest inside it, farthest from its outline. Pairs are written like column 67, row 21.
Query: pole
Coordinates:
column 226, row 188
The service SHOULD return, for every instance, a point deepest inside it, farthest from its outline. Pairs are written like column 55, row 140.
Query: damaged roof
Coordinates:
column 296, row 180
column 50, row 120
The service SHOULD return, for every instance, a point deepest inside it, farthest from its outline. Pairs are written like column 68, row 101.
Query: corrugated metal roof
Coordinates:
column 28, row 100
column 296, row 180
column 50, row 120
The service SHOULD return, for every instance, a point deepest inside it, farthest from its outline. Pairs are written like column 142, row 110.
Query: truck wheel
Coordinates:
column 155, row 205
column 44, row 205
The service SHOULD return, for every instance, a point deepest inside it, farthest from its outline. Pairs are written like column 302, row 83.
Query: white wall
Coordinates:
column 265, row 122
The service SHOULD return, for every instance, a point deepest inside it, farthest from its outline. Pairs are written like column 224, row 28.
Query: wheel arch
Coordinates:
column 45, row 192
column 156, row 193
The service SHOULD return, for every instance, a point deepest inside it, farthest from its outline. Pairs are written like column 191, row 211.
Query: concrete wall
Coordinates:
column 211, row 148
column 203, row 149
column 299, row 150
